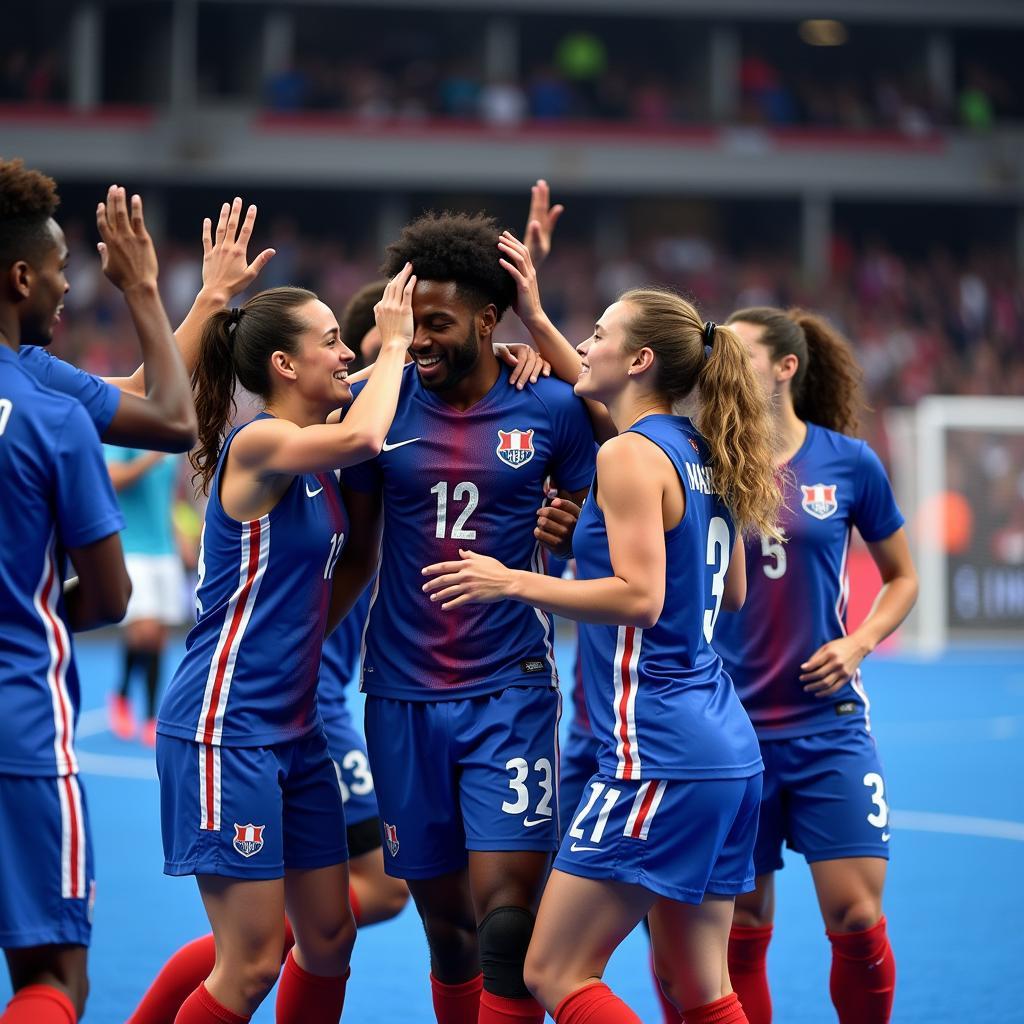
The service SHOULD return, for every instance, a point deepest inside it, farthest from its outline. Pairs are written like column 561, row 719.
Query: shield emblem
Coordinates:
column 515, row 447
column 248, row 839
column 391, row 835
column 819, row 500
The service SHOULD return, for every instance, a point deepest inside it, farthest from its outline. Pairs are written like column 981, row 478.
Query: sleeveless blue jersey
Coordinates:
column 249, row 674
column 340, row 661
column 57, row 496
column 660, row 703
column 471, row 479
column 99, row 399
column 797, row 592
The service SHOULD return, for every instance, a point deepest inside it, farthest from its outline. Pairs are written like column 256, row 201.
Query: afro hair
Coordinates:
column 28, row 199
column 455, row 247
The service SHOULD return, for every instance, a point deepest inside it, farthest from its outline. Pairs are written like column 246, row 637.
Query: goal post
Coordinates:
column 958, row 470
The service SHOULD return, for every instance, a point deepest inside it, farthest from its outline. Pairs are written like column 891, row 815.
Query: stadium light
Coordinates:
column 823, row 32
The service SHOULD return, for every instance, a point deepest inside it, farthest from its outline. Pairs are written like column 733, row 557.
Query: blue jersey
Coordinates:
column 99, row 399
column 57, row 496
column 249, row 674
column 340, row 661
column 661, row 705
column 834, row 483
column 147, row 504
column 472, row 479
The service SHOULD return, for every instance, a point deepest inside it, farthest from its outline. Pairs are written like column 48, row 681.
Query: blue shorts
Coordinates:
column 249, row 812
column 46, row 853
column 677, row 838
column 458, row 775
column 577, row 765
column 824, row 796
column 348, row 752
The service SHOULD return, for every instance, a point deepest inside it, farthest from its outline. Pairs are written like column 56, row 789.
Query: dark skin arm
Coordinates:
column 164, row 418
column 557, row 522
column 361, row 556
column 100, row 595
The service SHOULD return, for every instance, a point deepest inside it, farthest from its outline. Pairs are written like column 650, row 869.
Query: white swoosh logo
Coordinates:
column 392, row 447
column 313, row 494
column 578, row 849
column 885, row 837
column 530, row 822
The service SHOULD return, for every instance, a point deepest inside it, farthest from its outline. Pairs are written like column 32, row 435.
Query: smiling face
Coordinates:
column 320, row 364
column 605, row 359
column 44, row 287
column 448, row 335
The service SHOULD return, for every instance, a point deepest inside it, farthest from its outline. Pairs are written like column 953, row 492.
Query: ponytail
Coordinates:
column 826, row 387
column 734, row 416
column 236, row 345
column 734, row 419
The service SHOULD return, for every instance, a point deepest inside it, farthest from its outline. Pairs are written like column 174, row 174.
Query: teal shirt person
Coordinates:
column 147, row 503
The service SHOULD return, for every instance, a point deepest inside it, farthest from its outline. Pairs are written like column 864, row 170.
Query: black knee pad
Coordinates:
column 504, row 936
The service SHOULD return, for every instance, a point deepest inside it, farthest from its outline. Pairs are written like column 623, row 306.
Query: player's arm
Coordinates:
column 226, row 273
column 831, row 666
column 735, row 590
column 361, row 554
column 553, row 346
column 165, row 417
column 277, row 447
column 100, row 595
column 124, row 474
column 631, row 475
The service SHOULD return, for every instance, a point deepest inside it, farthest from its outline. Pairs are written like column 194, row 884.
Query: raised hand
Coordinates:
column 127, row 253
column 516, row 260
column 540, row 224
column 226, row 267
column 394, row 311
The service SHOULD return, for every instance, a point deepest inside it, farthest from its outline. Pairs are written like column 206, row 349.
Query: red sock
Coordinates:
column 40, row 1004
column 177, row 980
column 594, row 1004
column 726, row 1010
column 457, row 1004
column 863, row 977
column 353, row 902
column 669, row 1014
column 202, row 1008
column 500, row 1010
column 748, row 971
column 304, row 998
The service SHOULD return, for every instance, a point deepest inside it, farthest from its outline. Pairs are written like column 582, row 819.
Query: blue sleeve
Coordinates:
column 87, row 508
column 97, row 397
column 876, row 514
column 364, row 477
column 575, row 451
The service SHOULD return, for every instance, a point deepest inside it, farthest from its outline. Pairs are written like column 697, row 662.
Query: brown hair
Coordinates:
column 357, row 319
column 236, row 346
column 28, row 199
column 827, row 386
column 734, row 416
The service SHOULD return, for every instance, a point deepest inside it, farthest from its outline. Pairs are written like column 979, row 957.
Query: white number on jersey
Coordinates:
column 466, row 491
column 880, row 818
column 362, row 781
column 6, row 405
column 718, row 557
column 200, row 570
column 777, row 553
column 337, row 543
column 597, row 833
column 520, row 768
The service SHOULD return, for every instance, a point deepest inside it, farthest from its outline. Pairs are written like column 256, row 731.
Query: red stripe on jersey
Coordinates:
column 236, row 620
column 208, row 780
column 57, row 667
column 74, row 837
column 652, row 789
column 627, row 685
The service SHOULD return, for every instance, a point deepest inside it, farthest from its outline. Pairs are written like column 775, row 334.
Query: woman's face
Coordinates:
column 752, row 335
column 321, row 363
column 605, row 359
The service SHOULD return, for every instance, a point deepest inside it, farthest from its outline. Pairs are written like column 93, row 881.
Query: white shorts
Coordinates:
column 158, row 582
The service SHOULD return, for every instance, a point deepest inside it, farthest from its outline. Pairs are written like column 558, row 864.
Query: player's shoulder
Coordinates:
column 49, row 405
column 555, row 396
column 841, row 446
column 408, row 382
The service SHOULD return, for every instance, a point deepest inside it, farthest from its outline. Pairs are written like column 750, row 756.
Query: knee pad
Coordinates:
column 504, row 936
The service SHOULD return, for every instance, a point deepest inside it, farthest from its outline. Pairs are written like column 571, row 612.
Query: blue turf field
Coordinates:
column 952, row 741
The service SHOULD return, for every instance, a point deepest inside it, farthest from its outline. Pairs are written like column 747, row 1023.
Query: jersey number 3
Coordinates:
column 718, row 559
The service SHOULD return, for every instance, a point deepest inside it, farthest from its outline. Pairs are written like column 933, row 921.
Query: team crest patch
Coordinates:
column 515, row 447
column 820, row 500
column 391, row 835
column 248, row 839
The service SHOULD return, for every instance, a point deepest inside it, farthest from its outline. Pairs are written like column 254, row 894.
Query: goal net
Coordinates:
column 958, row 471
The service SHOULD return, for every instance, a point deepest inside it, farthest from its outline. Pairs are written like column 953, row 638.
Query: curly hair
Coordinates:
column 28, row 199
column 455, row 247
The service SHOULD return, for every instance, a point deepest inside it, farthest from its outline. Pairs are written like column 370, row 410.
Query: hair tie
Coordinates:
column 709, row 333
column 233, row 318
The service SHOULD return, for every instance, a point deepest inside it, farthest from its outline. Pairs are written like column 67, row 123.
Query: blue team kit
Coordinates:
column 64, row 499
